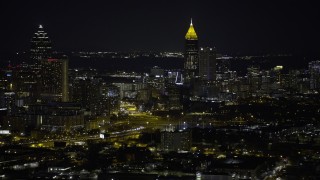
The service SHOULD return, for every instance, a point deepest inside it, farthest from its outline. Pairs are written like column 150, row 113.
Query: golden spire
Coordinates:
column 191, row 34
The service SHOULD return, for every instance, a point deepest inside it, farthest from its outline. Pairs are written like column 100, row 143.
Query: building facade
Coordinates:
column 191, row 64
column 40, row 45
column 207, row 63
column 176, row 140
column 54, row 79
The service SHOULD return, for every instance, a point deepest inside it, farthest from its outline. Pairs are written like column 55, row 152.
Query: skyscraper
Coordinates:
column 54, row 79
column 40, row 45
column 25, row 83
column 314, row 71
column 207, row 63
column 191, row 64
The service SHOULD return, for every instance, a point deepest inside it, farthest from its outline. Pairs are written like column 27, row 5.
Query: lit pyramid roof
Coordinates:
column 191, row 34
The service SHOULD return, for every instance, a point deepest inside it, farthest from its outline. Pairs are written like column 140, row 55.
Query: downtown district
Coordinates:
column 202, row 121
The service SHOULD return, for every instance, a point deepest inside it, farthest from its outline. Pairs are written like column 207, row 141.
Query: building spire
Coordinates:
column 191, row 34
column 40, row 45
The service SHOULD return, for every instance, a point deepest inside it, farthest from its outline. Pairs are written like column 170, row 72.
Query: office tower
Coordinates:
column 176, row 140
column 25, row 84
column 191, row 64
column 207, row 63
column 314, row 71
column 54, row 79
column 56, row 116
column 8, row 102
column 254, row 79
column 173, row 93
column 94, row 95
column 40, row 45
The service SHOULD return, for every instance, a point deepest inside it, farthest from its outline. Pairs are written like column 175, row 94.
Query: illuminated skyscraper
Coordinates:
column 191, row 64
column 40, row 45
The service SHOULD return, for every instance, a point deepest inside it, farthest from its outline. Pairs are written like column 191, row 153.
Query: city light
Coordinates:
column 129, row 99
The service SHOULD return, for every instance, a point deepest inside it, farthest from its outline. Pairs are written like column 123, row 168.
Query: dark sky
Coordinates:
column 247, row 27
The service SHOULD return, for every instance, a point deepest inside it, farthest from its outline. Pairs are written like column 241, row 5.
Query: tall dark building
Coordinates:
column 54, row 79
column 207, row 63
column 25, row 83
column 191, row 64
column 40, row 45
column 314, row 71
column 176, row 140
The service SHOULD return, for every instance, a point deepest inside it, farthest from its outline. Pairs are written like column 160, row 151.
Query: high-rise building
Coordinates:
column 54, row 79
column 191, row 64
column 254, row 79
column 173, row 92
column 40, row 45
column 207, row 63
column 97, row 97
column 314, row 71
column 25, row 83
column 57, row 116
column 176, row 140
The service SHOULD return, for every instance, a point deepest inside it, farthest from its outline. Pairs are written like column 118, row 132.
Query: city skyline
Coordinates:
column 231, row 27
column 159, row 90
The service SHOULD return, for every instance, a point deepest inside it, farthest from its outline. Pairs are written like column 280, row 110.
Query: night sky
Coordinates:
column 233, row 27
